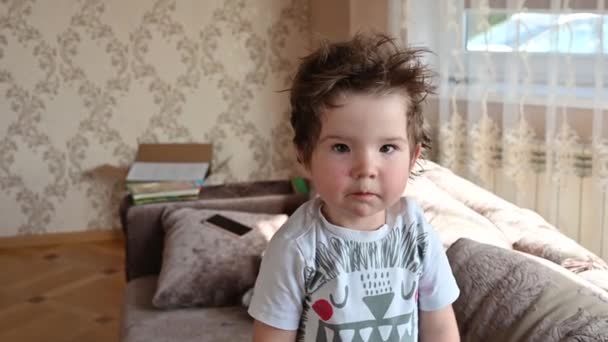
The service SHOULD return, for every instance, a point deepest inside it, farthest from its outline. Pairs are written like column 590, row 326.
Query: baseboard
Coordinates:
column 37, row 240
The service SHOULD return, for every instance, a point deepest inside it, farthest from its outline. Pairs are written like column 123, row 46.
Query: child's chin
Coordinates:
column 365, row 211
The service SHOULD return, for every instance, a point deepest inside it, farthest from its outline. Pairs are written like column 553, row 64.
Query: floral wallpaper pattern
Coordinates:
column 85, row 81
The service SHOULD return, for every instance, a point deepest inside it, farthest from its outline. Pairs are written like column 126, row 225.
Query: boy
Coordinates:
column 359, row 262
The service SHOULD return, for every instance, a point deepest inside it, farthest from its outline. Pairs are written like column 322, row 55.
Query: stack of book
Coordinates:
column 164, row 191
column 168, row 172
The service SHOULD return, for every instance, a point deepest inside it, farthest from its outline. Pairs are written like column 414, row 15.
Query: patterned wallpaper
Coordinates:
column 84, row 81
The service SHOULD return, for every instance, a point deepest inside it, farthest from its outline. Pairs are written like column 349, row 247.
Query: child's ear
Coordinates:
column 303, row 168
column 415, row 155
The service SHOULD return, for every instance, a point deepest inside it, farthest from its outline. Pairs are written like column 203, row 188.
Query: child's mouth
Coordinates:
column 363, row 194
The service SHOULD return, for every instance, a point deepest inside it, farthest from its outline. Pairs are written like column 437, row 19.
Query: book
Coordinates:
column 176, row 193
column 151, row 192
column 137, row 188
column 164, row 199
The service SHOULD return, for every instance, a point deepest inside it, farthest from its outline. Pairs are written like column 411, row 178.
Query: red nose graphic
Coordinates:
column 323, row 309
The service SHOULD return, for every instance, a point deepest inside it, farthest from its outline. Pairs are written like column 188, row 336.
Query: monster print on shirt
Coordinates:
column 365, row 291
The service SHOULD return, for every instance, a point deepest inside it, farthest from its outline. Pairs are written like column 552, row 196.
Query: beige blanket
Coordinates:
column 458, row 208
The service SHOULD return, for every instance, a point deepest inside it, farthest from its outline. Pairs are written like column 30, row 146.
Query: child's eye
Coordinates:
column 388, row 148
column 340, row 148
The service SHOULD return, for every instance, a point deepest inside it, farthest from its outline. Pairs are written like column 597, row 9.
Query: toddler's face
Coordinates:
column 361, row 162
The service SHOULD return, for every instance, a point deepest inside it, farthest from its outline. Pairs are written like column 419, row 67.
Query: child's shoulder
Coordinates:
column 300, row 223
column 409, row 210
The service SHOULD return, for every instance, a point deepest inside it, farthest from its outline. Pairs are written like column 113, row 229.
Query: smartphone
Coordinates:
column 228, row 224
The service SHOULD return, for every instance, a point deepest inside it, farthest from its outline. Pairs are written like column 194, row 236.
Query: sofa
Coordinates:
column 520, row 278
column 144, row 242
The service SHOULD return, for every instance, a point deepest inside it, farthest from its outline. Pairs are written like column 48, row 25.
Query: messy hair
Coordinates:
column 366, row 64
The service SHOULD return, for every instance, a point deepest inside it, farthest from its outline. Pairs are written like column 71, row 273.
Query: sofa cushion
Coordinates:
column 204, row 265
column 142, row 322
column 506, row 296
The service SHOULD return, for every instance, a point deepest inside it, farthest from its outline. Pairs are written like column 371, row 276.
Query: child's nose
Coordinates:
column 364, row 166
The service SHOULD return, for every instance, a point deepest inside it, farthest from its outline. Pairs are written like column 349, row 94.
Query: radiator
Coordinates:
column 574, row 202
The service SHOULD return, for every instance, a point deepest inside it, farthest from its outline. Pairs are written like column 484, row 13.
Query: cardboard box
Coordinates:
column 163, row 162
column 171, row 162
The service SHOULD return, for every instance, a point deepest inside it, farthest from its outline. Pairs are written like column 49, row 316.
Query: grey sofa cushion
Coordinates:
column 142, row 322
column 507, row 296
column 204, row 265
column 144, row 234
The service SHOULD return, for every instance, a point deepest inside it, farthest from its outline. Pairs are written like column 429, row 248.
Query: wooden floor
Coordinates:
column 70, row 292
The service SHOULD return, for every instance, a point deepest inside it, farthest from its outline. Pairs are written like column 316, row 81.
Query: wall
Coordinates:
column 340, row 19
column 329, row 19
column 85, row 81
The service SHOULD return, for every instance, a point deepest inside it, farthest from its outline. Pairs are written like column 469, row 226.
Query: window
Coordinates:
column 542, row 50
column 574, row 33
column 578, row 41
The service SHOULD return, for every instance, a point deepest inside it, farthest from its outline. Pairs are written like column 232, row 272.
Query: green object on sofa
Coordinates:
column 300, row 185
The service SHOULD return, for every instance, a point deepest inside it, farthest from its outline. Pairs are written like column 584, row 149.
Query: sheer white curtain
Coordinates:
column 522, row 102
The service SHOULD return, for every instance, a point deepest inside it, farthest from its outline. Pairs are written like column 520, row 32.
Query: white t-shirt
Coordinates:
column 324, row 280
